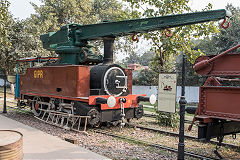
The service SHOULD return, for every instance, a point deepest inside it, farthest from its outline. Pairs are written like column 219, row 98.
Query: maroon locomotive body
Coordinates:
column 56, row 81
column 101, row 92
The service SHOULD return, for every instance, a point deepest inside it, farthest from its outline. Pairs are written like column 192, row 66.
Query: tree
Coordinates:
column 181, row 40
column 191, row 78
column 219, row 42
column 145, row 78
column 143, row 59
column 226, row 38
column 23, row 45
column 4, row 42
column 15, row 42
column 167, row 48
column 3, row 23
column 53, row 14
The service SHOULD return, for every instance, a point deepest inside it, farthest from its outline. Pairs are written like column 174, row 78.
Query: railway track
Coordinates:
column 154, row 116
column 137, row 141
column 150, row 115
column 186, row 136
column 162, row 132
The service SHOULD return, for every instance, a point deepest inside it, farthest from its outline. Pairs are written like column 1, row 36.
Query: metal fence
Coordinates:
column 191, row 92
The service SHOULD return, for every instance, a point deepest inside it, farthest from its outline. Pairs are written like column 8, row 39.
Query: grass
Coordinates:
column 146, row 103
column 24, row 112
column 149, row 109
column 103, row 141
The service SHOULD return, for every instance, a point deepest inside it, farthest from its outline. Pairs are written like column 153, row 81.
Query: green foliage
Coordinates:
column 4, row 41
column 150, row 77
column 168, row 119
column 3, row 24
column 14, row 40
column 165, row 47
column 53, row 14
column 22, row 44
column 226, row 38
column 143, row 59
column 145, row 77
column 192, row 78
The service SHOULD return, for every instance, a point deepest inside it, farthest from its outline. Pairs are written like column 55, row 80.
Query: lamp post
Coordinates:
column 182, row 103
column 5, row 94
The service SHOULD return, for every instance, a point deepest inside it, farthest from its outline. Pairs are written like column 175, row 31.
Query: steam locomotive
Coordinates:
column 82, row 83
column 102, row 92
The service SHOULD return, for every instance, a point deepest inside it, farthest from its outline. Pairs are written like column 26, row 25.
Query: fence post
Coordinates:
column 182, row 103
column 5, row 94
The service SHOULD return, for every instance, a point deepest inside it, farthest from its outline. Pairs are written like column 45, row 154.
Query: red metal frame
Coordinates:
column 219, row 102
column 83, row 99
column 216, row 101
column 212, row 81
column 130, row 103
column 91, row 100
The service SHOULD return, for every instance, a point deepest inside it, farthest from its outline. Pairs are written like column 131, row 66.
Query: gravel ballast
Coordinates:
column 115, row 148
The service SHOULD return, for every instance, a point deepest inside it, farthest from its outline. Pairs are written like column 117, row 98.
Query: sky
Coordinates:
column 22, row 9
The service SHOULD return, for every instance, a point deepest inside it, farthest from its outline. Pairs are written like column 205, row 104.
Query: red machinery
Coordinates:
column 218, row 111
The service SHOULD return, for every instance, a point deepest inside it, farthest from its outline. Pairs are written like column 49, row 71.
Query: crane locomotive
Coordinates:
column 82, row 83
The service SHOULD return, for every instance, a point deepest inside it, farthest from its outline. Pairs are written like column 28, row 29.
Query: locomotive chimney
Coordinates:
column 108, row 50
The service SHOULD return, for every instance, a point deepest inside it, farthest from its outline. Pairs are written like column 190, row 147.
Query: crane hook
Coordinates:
column 223, row 26
column 134, row 37
column 169, row 33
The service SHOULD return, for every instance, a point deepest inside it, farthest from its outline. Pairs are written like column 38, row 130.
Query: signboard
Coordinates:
column 167, row 92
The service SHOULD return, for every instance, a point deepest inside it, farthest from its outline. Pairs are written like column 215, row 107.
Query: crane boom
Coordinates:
column 72, row 38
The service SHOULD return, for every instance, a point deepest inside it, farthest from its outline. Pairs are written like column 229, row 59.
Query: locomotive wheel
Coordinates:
column 139, row 112
column 94, row 119
column 115, row 123
column 36, row 107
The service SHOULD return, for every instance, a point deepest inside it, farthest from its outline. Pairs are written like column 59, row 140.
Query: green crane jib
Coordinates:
column 71, row 41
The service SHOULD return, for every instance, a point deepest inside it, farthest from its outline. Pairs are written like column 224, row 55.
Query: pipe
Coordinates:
column 203, row 64
column 151, row 99
column 108, row 50
column 111, row 101
column 100, row 100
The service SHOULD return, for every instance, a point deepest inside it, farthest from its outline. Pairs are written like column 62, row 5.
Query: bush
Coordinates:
column 168, row 119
